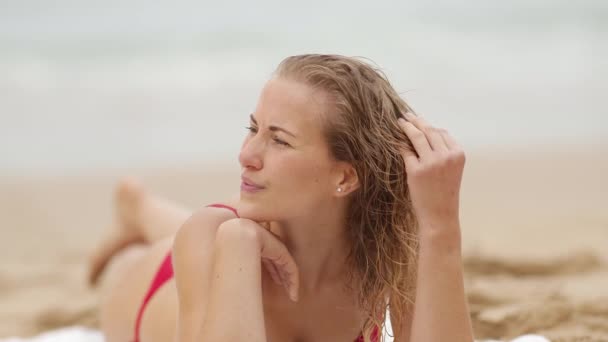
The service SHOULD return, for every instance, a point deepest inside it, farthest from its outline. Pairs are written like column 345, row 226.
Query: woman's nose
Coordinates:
column 251, row 155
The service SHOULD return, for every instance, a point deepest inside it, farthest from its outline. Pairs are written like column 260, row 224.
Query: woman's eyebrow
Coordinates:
column 273, row 128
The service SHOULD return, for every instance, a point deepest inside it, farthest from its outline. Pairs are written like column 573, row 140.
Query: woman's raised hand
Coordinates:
column 434, row 172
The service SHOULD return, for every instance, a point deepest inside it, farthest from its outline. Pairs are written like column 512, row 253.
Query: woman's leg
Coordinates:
column 152, row 222
column 152, row 216
column 141, row 218
column 140, row 238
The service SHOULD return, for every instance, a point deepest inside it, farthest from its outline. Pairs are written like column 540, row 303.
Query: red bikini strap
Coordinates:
column 219, row 205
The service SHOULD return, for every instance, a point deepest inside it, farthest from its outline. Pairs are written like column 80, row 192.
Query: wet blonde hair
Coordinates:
column 361, row 128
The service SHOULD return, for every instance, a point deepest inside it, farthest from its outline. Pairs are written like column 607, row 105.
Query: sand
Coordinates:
column 535, row 240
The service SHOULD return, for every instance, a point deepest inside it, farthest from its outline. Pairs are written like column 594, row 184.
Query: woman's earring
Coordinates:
column 339, row 189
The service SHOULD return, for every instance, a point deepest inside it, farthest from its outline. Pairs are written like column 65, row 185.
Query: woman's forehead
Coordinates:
column 291, row 104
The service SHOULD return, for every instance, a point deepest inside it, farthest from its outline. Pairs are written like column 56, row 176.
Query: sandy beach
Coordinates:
column 535, row 240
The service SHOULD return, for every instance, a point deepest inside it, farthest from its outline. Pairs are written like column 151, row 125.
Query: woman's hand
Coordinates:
column 274, row 254
column 434, row 173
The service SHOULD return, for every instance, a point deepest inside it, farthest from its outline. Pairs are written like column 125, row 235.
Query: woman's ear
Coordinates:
column 347, row 180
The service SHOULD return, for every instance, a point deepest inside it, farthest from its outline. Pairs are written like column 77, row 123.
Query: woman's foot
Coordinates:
column 128, row 197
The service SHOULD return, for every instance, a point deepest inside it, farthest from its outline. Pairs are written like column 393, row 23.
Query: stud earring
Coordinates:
column 339, row 189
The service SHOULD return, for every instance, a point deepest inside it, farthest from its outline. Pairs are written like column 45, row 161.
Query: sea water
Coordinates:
column 88, row 85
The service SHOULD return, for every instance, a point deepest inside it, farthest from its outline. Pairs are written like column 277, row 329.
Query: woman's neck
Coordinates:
column 319, row 247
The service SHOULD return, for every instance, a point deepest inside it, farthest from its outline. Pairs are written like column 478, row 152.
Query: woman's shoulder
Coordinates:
column 206, row 220
column 230, row 204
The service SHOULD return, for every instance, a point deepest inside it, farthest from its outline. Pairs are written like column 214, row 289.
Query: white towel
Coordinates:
column 80, row 334
column 68, row 334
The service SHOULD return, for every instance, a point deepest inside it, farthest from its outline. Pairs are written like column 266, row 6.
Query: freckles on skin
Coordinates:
column 309, row 174
column 305, row 167
column 296, row 175
column 321, row 178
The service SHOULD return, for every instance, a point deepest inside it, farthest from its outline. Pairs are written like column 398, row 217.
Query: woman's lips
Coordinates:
column 249, row 186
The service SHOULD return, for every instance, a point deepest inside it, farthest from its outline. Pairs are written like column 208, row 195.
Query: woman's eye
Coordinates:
column 280, row 142
column 254, row 130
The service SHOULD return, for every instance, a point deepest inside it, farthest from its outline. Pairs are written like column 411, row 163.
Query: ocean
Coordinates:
column 115, row 84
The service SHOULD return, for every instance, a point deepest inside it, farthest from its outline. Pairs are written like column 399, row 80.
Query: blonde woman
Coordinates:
column 349, row 205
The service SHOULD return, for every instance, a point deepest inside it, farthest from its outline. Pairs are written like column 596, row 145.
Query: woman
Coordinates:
column 348, row 203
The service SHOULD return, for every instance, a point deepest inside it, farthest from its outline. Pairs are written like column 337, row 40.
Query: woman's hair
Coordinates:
column 361, row 128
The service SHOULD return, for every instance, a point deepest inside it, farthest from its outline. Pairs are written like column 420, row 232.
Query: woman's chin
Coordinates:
column 253, row 210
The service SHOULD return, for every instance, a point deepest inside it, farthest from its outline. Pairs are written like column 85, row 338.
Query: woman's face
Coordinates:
column 286, row 166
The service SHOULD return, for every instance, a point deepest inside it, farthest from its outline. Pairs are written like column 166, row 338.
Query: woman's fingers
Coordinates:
column 435, row 138
column 288, row 272
column 272, row 270
column 417, row 137
column 432, row 134
column 423, row 136
column 279, row 277
column 410, row 158
column 450, row 142
column 275, row 252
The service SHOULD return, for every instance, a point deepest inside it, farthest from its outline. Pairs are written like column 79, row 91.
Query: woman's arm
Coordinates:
column 192, row 263
column 235, row 310
column 434, row 172
column 440, row 310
